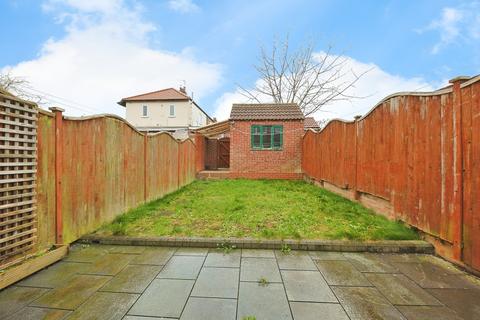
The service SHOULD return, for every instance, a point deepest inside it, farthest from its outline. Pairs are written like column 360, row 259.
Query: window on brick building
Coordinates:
column 267, row 137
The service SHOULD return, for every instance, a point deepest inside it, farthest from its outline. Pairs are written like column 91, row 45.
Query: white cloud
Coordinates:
column 372, row 87
column 454, row 24
column 105, row 55
column 183, row 6
column 375, row 85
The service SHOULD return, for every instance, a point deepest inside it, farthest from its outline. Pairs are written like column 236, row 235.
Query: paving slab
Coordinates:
column 326, row 255
column 445, row 265
column 86, row 253
column 341, row 273
column 209, row 309
column 73, row 294
column 154, row 255
column 465, row 302
column 182, row 267
column 253, row 269
column 315, row 311
column 132, row 279
column 263, row 302
column 105, row 305
column 126, row 249
column 362, row 303
column 257, row 253
column 14, row 298
column 295, row 260
column 307, row 286
column 217, row 283
column 428, row 313
column 403, row 257
column 109, row 264
column 429, row 275
column 192, row 252
column 163, row 298
column 54, row 276
column 221, row 259
column 398, row 289
column 369, row 262
column 144, row 318
column 32, row 313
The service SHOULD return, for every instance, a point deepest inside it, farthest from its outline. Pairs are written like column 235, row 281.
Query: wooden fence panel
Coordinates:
column 471, row 178
column 102, row 174
column 187, row 163
column 162, row 165
column 18, row 166
column 409, row 151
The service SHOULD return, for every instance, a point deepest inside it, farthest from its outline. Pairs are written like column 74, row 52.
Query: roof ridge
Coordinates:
column 157, row 91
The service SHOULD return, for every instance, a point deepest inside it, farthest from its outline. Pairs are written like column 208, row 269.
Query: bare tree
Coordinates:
column 322, row 123
column 302, row 77
column 19, row 87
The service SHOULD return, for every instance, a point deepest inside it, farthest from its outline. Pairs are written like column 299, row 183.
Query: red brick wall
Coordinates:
column 266, row 164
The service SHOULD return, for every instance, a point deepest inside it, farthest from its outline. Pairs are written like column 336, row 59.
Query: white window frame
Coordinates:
column 144, row 111
column 170, row 114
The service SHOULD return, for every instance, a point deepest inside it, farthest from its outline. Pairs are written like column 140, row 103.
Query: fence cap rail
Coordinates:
column 115, row 117
column 439, row 92
column 471, row 81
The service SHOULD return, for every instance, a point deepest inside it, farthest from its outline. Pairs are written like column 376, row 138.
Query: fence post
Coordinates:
column 145, row 163
column 356, row 193
column 179, row 145
column 58, row 173
column 457, row 168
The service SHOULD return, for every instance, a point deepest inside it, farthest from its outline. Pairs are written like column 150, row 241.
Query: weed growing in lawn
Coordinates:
column 271, row 209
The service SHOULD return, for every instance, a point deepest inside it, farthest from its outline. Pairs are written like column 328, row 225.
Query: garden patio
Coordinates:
column 136, row 282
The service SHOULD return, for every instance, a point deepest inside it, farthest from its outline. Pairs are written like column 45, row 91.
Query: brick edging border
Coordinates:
column 387, row 246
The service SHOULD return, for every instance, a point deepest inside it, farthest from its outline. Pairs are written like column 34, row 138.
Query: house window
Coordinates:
column 145, row 111
column 172, row 111
column 267, row 137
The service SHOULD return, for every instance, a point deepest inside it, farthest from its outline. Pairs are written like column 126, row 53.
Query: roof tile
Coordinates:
column 168, row 94
column 266, row 111
column 311, row 123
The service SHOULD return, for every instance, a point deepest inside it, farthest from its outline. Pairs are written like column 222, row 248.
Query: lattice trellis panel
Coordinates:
column 18, row 166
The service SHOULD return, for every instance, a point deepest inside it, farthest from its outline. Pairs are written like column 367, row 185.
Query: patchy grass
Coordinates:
column 271, row 209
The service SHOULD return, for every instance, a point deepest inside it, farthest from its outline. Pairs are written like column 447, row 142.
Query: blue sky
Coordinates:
column 89, row 54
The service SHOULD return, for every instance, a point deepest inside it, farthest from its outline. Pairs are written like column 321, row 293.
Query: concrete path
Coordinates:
column 129, row 282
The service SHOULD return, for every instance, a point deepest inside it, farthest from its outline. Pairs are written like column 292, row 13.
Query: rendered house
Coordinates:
column 168, row 110
column 258, row 141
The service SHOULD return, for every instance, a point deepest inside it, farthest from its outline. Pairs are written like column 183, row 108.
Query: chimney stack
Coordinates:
column 183, row 89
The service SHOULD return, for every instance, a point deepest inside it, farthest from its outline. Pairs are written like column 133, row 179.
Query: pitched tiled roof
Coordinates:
column 168, row 94
column 266, row 111
column 310, row 123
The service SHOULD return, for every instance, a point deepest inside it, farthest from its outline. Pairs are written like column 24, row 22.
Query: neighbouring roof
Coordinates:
column 169, row 94
column 266, row 111
column 311, row 123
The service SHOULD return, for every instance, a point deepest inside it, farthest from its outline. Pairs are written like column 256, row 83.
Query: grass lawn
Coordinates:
column 271, row 209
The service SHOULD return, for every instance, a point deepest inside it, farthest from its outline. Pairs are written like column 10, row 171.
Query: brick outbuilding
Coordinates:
column 266, row 141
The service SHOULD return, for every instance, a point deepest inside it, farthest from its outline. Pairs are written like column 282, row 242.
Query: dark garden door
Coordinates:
column 224, row 153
